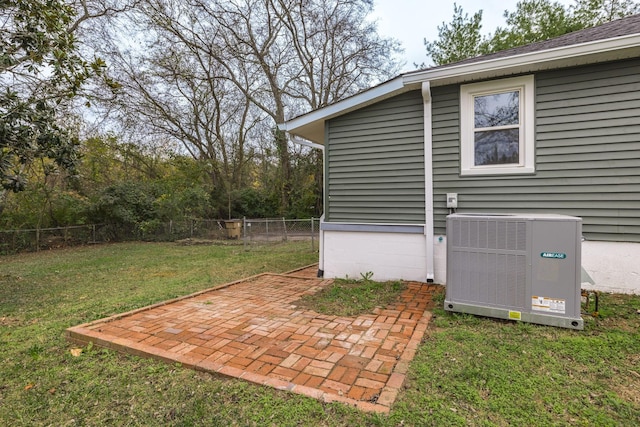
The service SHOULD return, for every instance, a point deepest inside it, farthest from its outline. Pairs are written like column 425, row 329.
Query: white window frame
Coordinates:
column 526, row 164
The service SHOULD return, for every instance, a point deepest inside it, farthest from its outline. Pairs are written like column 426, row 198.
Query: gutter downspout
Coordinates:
column 313, row 145
column 428, row 181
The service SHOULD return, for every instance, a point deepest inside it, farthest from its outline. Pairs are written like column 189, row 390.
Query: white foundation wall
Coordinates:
column 613, row 266
column 389, row 256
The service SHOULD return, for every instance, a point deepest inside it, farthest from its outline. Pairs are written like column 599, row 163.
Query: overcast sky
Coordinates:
column 411, row 21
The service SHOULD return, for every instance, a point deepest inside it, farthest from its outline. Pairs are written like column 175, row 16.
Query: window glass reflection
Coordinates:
column 497, row 147
column 500, row 109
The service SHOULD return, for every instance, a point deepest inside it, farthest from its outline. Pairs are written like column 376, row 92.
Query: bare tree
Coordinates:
column 172, row 91
column 337, row 51
column 306, row 54
column 213, row 71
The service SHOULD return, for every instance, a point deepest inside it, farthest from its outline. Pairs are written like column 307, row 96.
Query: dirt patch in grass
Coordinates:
column 346, row 297
column 208, row 242
column 10, row 321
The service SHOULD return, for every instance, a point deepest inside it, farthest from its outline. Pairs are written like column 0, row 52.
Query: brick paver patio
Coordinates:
column 251, row 330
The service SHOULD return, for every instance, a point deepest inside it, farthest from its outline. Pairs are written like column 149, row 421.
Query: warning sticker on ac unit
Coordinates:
column 551, row 305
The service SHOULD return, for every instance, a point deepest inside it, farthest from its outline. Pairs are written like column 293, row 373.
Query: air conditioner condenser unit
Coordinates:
column 515, row 266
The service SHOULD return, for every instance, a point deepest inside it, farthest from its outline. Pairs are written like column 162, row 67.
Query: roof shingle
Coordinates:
column 618, row 28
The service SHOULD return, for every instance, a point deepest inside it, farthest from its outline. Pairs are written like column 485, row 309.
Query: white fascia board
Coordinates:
column 311, row 125
column 529, row 61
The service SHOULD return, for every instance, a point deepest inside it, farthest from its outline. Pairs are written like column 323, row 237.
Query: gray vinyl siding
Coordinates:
column 375, row 163
column 587, row 153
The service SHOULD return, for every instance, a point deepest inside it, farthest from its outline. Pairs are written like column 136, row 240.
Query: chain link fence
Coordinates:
column 247, row 232
column 259, row 231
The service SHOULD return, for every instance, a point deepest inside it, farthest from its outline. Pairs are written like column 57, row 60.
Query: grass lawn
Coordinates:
column 469, row 370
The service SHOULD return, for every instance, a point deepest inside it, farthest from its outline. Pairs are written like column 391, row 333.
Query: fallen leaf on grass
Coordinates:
column 52, row 391
column 75, row 352
column 29, row 386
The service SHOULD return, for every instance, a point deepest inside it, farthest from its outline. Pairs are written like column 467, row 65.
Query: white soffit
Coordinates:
column 311, row 125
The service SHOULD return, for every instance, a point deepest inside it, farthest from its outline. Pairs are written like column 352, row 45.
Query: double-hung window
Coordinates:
column 497, row 127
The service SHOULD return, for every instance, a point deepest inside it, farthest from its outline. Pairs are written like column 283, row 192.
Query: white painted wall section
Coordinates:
column 390, row 256
column 613, row 266
column 440, row 259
